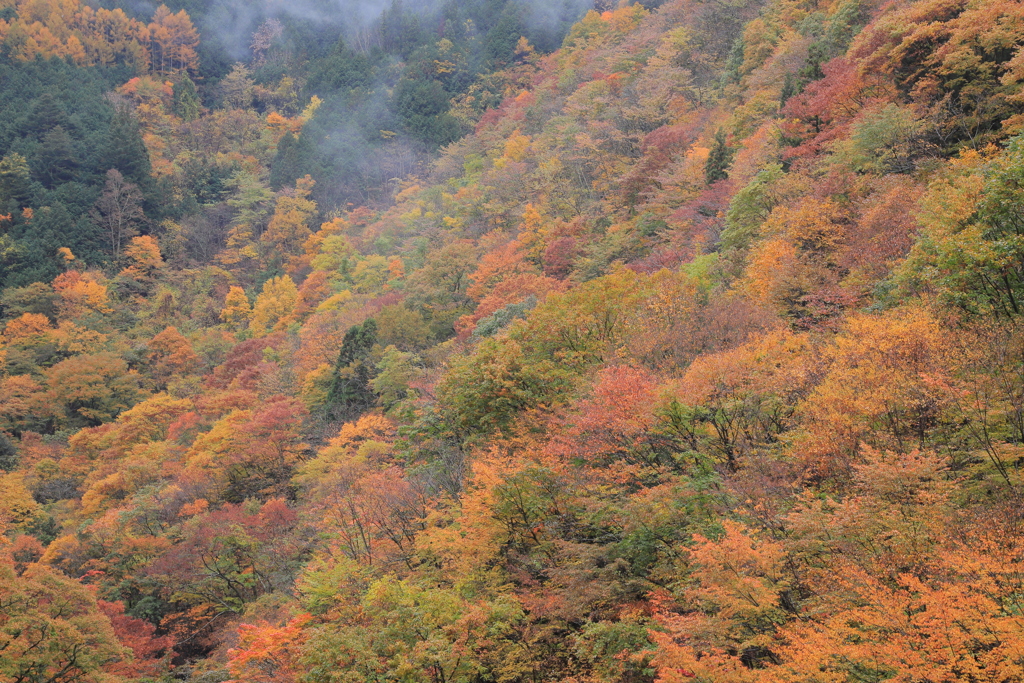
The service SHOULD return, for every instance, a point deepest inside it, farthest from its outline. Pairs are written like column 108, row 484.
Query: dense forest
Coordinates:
column 499, row 341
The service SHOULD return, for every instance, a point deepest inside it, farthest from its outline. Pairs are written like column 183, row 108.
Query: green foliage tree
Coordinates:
column 186, row 99
column 971, row 253
column 396, row 370
column 717, row 166
column 51, row 628
column 8, row 454
column 56, row 157
column 291, row 161
column 422, row 106
column 750, row 207
column 350, row 392
column 125, row 150
column 498, row 383
column 14, row 181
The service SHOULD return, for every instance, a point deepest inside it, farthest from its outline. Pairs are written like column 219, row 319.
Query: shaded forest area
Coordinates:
column 498, row 342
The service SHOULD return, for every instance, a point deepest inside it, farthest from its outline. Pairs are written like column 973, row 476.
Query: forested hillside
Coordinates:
column 507, row 341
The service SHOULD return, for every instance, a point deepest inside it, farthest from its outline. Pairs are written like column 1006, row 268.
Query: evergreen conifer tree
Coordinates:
column 719, row 159
column 125, row 149
column 186, row 100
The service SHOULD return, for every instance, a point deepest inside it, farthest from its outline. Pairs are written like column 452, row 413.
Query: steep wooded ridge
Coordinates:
column 416, row 349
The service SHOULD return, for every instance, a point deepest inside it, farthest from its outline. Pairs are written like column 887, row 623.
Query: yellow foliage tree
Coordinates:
column 173, row 41
column 143, row 256
column 274, row 306
column 289, row 229
column 236, row 311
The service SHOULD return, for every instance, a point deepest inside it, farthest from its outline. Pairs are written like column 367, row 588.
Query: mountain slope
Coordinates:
column 698, row 358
